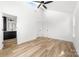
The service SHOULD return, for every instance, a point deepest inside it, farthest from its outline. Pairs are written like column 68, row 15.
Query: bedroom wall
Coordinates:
column 58, row 25
column 1, row 32
column 27, row 19
column 58, row 20
column 76, row 28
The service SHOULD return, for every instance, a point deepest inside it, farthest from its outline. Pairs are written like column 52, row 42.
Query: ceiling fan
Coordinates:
column 42, row 3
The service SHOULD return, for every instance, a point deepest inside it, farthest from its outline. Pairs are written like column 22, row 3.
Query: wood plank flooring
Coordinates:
column 10, row 43
column 41, row 47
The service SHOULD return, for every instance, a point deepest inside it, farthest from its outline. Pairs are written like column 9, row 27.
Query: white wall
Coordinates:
column 27, row 27
column 76, row 28
column 57, row 25
column 1, row 32
column 58, row 21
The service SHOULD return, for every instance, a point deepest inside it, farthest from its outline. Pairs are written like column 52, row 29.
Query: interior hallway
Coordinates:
column 42, row 47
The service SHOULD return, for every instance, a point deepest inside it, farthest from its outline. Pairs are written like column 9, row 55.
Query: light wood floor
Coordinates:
column 10, row 43
column 41, row 47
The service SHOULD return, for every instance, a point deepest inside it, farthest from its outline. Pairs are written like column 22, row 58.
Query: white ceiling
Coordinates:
column 59, row 6
column 62, row 6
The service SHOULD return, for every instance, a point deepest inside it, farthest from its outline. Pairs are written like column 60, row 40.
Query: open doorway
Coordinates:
column 9, row 31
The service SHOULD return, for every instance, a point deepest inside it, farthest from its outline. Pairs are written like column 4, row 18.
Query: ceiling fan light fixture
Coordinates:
column 42, row 3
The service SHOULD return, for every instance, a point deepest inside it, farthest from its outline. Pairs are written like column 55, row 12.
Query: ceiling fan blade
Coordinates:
column 37, row 1
column 44, row 6
column 48, row 2
column 39, row 5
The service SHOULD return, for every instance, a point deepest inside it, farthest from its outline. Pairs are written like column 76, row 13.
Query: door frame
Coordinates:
column 7, row 15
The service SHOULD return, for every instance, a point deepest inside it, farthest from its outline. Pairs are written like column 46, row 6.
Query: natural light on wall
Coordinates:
column 58, row 25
